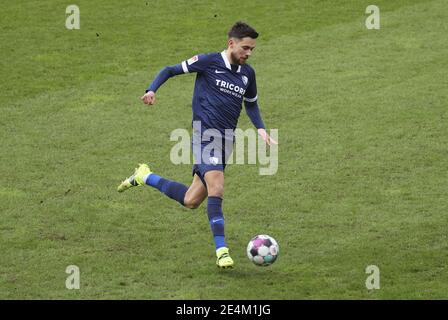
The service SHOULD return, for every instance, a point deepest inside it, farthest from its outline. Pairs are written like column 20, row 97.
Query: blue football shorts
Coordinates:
column 210, row 153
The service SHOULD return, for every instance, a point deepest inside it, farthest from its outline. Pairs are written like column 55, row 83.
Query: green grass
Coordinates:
column 363, row 157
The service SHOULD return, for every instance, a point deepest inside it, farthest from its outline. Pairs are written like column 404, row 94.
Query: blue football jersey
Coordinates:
column 220, row 89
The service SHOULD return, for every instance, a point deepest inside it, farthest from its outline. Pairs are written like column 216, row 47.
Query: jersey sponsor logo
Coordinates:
column 245, row 80
column 230, row 88
column 192, row 60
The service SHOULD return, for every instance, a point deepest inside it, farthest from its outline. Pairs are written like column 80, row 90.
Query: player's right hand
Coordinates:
column 149, row 98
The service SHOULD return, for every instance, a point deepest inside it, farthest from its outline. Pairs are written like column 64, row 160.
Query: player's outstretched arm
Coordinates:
column 150, row 96
column 197, row 63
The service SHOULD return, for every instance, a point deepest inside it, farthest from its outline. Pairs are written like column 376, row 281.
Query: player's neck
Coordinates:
column 229, row 57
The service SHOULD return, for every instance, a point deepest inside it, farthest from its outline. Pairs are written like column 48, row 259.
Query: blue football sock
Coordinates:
column 172, row 189
column 216, row 219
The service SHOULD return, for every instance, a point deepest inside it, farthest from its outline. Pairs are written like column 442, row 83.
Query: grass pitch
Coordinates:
column 362, row 180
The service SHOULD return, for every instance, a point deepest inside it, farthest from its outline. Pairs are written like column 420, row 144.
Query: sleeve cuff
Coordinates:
column 251, row 99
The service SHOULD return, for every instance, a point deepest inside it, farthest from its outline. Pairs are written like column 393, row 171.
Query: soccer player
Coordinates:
column 223, row 82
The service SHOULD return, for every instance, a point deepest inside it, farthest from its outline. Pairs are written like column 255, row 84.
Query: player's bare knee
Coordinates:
column 191, row 203
column 216, row 191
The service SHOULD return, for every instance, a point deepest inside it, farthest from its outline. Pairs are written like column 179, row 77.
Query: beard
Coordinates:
column 236, row 59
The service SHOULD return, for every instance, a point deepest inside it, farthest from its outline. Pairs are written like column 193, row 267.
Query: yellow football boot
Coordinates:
column 136, row 179
column 223, row 260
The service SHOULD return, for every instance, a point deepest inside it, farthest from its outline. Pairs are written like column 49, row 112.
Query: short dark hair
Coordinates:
column 241, row 30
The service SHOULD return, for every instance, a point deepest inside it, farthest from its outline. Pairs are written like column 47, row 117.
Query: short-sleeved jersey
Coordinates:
column 220, row 89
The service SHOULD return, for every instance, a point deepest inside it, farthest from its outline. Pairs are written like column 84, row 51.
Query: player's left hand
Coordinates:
column 149, row 98
column 266, row 137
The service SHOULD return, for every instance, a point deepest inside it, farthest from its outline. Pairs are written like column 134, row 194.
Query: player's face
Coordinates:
column 241, row 49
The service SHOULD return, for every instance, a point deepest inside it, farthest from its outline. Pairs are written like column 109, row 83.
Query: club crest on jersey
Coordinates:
column 192, row 60
column 214, row 160
column 245, row 80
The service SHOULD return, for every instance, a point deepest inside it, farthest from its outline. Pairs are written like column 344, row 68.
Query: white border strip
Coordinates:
column 184, row 67
column 251, row 100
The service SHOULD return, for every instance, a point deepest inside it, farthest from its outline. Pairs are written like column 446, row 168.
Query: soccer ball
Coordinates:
column 262, row 250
